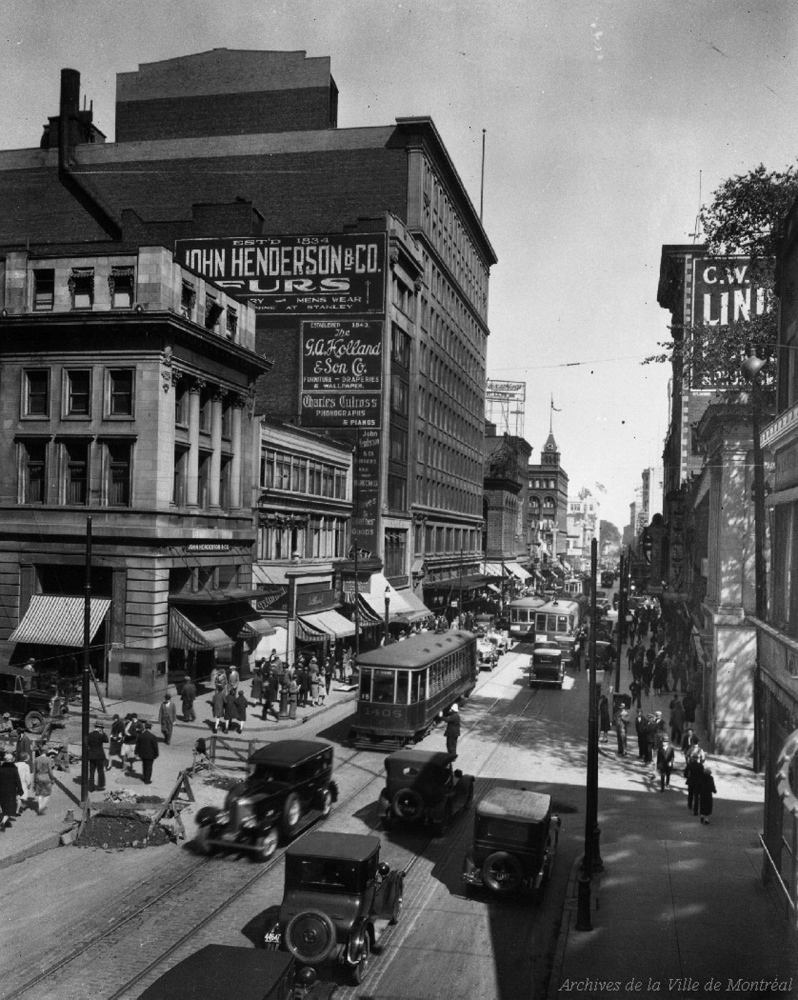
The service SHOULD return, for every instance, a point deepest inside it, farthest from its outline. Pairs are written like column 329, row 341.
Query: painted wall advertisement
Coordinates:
column 343, row 273
column 367, row 481
column 724, row 291
column 341, row 373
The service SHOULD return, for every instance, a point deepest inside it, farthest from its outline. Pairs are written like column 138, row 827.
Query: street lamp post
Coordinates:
column 387, row 613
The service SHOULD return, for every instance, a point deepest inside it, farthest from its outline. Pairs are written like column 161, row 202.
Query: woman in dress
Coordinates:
column 43, row 780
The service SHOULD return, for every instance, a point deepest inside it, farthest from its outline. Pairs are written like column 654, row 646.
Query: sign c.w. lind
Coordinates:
column 342, row 273
column 725, row 290
column 341, row 373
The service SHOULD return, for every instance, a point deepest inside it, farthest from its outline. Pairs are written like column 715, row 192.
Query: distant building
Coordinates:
column 548, row 509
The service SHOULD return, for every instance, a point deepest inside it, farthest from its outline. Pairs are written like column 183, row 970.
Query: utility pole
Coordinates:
column 86, row 676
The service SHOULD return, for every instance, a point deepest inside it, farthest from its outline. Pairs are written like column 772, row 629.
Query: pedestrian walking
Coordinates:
column 329, row 669
column 693, row 770
column 115, row 741
column 705, row 790
column 315, row 684
column 188, row 695
column 348, row 666
column 636, row 691
column 256, row 691
column 452, row 729
column 687, row 743
column 659, row 677
column 604, row 718
column 217, row 708
column 25, row 772
column 130, row 737
column 167, row 715
column 10, row 789
column 665, row 756
column 271, row 693
column 293, row 697
column 641, row 728
column 305, row 681
column 621, row 726
column 233, row 680
column 95, row 751
column 690, row 706
column 42, row 780
column 219, row 679
column 241, row 711
column 24, row 749
column 676, row 720
column 230, row 710
column 147, row 752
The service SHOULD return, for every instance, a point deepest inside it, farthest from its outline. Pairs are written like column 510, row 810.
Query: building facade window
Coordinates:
column 43, row 290
column 180, row 476
column 76, row 472
column 36, row 393
column 400, row 347
column 397, row 492
column 120, row 285
column 188, row 298
column 120, row 392
column 204, row 481
column 395, row 552
column 81, row 287
column 78, row 392
column 118, row 473
column 398, row 444
column 33, row 472
column 181, row 403
column 232, row 324
column 298, row 474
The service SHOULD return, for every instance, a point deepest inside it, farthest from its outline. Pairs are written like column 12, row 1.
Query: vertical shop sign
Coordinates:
column 341, row 373
column 367, row 481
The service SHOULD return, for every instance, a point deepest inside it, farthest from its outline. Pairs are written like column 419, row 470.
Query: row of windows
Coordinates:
column 549, row 505
column 308, row 538
column 81, row 287
column 408, row 687
column 216, row 318
column 207, row 395
column 431, row 492
column 77, row 387
column 295, row 473
column 542, row 484
column 205, row 499
column 63, row 472
column 438, row 539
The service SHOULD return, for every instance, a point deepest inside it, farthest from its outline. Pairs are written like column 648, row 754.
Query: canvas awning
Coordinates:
column 185, row 634
column 232, row 620
column 492, row 569
column 517, row 571
column 372, row 601
column 419, row 608
column 326, row 623
column 59, row 621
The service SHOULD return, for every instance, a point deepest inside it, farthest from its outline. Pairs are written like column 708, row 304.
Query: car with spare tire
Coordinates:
column 515, row 842
column 421, row 786
column 338, row 903
column 289, row 786
column 30, row 698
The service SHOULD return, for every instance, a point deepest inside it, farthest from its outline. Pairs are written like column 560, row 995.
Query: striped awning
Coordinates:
column 326, row 623
column 184, row 634
column 59, row 621
column 255, row 626
column 492, row 569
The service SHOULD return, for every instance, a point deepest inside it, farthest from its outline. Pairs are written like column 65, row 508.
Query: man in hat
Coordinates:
column 97, row 739
column 167, row 715
column 147, row 752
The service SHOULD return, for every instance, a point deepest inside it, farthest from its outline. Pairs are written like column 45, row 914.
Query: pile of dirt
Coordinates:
column 114, row 825
column 223, row 781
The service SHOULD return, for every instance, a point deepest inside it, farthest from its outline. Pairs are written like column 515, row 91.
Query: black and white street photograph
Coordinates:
column 398, row 500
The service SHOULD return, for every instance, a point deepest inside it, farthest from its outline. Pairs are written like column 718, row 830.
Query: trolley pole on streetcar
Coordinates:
column 591, row 861
column 85, row 679
column 387, row 613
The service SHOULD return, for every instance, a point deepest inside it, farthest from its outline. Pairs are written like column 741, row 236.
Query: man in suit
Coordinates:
column 147, row 752
column 96, row 753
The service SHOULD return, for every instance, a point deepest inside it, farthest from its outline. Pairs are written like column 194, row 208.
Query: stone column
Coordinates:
column 235, row 462
column 192, row 464
column 216, row 447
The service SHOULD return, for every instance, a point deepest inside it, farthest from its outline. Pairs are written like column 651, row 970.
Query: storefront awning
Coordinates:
column 492, row 569
column 59, row 621
column 419, row 608
column 327, row 623
column 517, row 571
column 232, row 619
column 185, row 634
column 372, row 601
column 267, row 576
column 494, row 588
column 255, row 626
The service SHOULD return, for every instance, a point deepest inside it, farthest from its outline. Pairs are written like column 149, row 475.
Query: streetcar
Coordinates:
column 403, row 688
column 522, row 617
column 560, row 621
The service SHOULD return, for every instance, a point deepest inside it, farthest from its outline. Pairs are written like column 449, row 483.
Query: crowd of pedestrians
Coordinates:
column 658, row 675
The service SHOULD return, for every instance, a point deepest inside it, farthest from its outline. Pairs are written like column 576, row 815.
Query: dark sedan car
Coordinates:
column 515, row 841
column 422, row 787
column 290, row 785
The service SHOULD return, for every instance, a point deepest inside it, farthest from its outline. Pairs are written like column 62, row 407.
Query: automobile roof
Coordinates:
column 286, row 753
column 516, row 804
column 219, row 971
column 346, row 846
column 419, row 759
column 547, row 652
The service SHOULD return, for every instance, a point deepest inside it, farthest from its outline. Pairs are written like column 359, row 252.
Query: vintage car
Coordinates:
column 218, row 972
column 339, row 901
column 483, row 624
column 29, row 699
column 502, row 640
column 515, row 841
column 487, row 654
column 289, row 786
column 421, row 787
column 546, row 664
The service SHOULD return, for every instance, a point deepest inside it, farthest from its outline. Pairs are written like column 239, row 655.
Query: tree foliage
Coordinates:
column 743, row 218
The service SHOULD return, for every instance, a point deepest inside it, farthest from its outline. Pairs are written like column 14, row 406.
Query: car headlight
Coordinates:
column 222, row 817
column 249, row 823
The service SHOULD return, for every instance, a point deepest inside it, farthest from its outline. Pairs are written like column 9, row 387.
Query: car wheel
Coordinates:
column 292, row 814
column 202, row 840
column 501, row 872
column 310, row 937
column 34, row 722
column 266, row 845
column 408, row 804
column 326, row 801
column 398, row 900
column 359, row 970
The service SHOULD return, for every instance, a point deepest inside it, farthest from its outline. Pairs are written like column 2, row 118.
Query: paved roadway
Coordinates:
column 446, row 944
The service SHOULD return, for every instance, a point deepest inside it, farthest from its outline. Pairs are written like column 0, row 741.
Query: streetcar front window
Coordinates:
column 562, row 623
column 365, row 685
column 384, row 682
column 402, row 686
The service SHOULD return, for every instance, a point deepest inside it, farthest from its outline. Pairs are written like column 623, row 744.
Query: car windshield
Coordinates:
column 270, row 772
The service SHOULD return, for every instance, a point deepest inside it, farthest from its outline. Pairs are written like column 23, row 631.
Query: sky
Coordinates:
column 606, row 125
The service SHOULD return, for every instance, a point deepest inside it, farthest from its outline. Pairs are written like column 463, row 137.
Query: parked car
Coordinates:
column 29, row 699
column 483, row 624
column 218, row 972
column 487, row 656
column 339, row 901
column 421, row 787
column 515, row 841
column 290, row 785
column 546, row 664
column 502, row 640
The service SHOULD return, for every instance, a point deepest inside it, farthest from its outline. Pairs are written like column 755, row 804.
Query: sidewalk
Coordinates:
column 30, row 834
column 680, row 909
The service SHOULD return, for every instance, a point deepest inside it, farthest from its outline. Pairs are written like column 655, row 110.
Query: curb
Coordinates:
column 568, row 923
